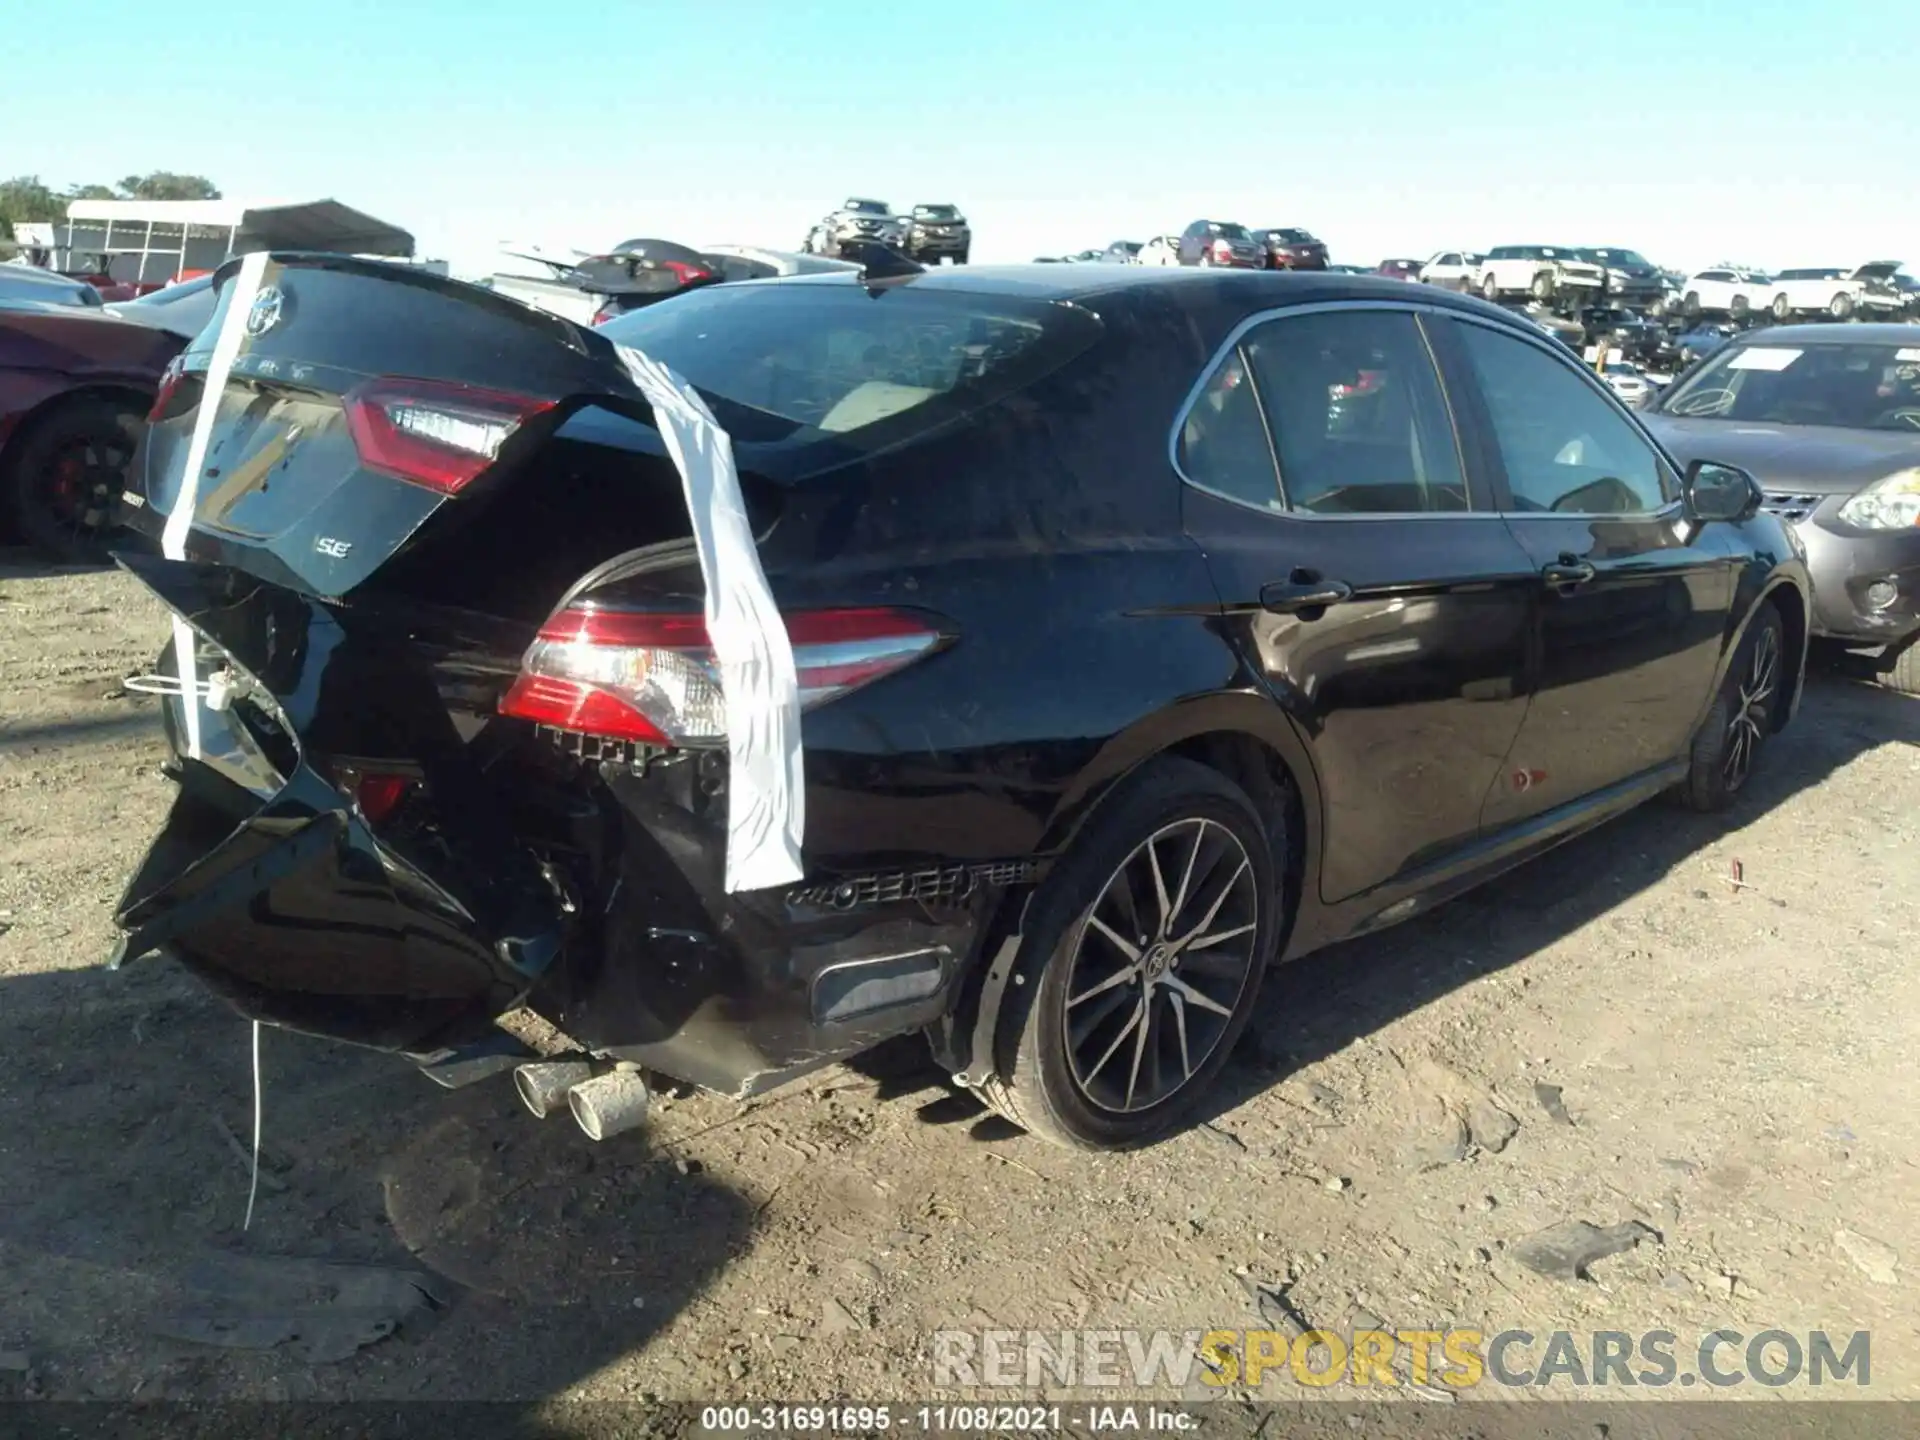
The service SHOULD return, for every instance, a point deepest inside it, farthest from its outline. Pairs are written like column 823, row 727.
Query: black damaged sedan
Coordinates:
column 1151, row 625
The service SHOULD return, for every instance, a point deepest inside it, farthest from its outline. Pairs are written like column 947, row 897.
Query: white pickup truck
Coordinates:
column 1551, row 274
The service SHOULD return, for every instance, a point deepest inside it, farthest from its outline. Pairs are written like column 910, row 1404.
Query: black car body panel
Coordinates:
column 1097, row 612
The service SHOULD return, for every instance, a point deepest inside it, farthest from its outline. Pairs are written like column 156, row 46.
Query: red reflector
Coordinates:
column 433, row 433
column 576, row 705
column 169, row 383
column 378, row 796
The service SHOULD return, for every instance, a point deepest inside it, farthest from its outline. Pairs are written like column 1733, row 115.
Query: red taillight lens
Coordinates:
column 685, row 273
column 1222, row 250
column 432, row 433
column 169, row 384
column 651, row 677
column 378, row 796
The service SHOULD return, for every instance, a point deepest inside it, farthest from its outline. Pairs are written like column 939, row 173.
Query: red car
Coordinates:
column 1399, row 269
column 75, row 388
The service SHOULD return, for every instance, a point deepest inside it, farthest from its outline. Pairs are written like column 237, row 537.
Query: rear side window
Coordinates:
column 1357, row 414
column 1223, row 441
column 793, row 363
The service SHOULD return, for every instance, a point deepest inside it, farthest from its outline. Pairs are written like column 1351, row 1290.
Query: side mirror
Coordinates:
column 1720, row 492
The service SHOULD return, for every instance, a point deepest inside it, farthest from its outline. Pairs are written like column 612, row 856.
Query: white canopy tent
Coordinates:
column 154, row 241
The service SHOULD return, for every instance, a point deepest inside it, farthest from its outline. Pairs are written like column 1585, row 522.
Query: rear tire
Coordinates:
column 1730, row 739
column 1543, row 289
column 1490, row 289
column 1156, row 1019
column 1840, row 307
column 1739, row 308
column 1782, row 308
column 65, row 477
column 1903, row 674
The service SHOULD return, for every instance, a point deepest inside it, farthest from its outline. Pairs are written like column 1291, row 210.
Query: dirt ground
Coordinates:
column 1738, row 1064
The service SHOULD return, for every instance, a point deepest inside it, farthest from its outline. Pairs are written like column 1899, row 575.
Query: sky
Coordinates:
column 1761, row 133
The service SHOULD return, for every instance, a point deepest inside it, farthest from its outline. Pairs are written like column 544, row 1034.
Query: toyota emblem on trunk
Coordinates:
column 266, row 311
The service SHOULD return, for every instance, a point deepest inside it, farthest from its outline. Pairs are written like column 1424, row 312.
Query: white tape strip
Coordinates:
column 766, row 786
column 173, row 537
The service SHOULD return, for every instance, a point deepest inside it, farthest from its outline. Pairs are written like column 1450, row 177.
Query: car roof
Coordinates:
column 1252, row 289
column 1868, row 333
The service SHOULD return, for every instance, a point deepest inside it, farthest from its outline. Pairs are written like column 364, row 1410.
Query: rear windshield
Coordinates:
column 798, row 363
column 1228, row 231
column 1858, row 386
column 1292, row 237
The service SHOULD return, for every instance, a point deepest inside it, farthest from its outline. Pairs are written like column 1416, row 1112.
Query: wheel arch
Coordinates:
column 29, row 420
column 1237, row 733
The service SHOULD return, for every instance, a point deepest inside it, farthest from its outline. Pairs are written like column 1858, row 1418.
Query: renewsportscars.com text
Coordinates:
column 1456, row 1359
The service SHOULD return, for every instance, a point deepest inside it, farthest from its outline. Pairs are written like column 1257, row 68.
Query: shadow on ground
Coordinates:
column 125, row 1112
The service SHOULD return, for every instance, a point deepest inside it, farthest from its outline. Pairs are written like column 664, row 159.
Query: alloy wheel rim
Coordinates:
column 1753, row 708
column 83, row 482
column 1159, row 964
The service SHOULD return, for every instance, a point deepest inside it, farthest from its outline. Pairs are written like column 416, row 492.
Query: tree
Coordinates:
column 166, row 185
column 25, row 200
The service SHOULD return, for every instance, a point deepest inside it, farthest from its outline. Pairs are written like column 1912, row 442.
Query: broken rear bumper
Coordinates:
column 591, row 892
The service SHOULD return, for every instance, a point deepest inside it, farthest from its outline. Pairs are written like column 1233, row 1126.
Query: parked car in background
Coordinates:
column 1291, row 248
column 1627, row 380
column 1161, row 250
column 1398, row 269
column 1220, row 242
column 1632, row 279
column 75, row 387
column 1827, row 417
column 1702, row 340
column 857, row 219
column 1726, row 290
column 1551, row 274
column 1259, row 732
column 1909, row 288
column 938, row 232
column 1453, row 270
column 29, row 285
column 183, row 308
column 642, row 272
column 1866, row 290
column 1122, row 252
column 1639, row 340
column 753, row 262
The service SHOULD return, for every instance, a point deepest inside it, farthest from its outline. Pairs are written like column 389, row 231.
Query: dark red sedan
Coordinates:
column 75, row 388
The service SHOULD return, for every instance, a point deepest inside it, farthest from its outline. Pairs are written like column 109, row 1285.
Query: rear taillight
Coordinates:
column 608, row 310
column 1222, row 250
column 651, row 677
column 169, row 384
column 432, row 433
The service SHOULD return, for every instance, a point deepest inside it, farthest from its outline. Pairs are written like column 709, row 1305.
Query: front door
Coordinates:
column 1383, row 604
column 1633, row 598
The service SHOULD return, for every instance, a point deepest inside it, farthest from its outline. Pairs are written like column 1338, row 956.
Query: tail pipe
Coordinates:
column 602, row 1105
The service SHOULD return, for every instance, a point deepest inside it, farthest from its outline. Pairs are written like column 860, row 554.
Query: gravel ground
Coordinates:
column 1735, row 1062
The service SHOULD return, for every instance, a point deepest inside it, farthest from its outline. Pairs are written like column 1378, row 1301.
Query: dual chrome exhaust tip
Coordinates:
column 603, row 1105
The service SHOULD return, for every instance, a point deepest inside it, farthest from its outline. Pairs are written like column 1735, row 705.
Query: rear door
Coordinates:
column 1379, row 597
column 1633, row 600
